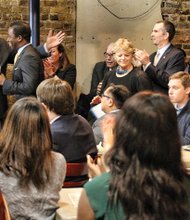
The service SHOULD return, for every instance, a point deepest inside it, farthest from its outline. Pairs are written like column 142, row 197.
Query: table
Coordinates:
column 68, row 203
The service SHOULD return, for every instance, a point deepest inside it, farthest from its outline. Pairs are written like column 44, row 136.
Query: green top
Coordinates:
column 97, row 192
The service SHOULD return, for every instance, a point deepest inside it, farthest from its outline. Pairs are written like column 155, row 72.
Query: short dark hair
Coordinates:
column 169, row 27
column 21, row 28
column 119, row 94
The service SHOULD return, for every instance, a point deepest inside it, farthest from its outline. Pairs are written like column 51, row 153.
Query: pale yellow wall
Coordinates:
column 96, row 27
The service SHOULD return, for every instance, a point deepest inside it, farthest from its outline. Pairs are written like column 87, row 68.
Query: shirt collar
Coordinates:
column 163, row 49
column 22, row 48
column 51, row 122
column 179, row 109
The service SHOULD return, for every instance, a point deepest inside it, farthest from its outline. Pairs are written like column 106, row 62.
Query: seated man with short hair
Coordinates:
column 72, row 134
column 112, row 100
column 179, row 90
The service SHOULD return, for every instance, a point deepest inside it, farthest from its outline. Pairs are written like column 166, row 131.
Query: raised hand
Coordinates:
column 54, row 40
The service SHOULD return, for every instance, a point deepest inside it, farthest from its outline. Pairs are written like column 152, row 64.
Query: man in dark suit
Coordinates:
column 4, row 48
column 28, row 66
column 72, row 135
column 160, row 65
column 99, row 70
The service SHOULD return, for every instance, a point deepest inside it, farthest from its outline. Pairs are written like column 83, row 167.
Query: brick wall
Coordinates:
column 178, row 12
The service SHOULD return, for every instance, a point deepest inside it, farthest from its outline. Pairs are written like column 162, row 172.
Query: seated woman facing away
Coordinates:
column 144, row 180
column 58, row 64
column 31, row 175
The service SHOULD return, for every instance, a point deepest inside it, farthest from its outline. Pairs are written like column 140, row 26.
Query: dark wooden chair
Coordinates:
column 4, row 212
column 76, row 175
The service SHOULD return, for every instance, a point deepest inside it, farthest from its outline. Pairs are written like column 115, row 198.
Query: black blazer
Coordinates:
column 69, row 74
column 99, row 71
column 4, row 54
column 73, row 137
column 172, row 61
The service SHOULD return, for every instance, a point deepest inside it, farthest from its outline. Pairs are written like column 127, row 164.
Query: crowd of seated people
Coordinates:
column 141, row 137
column 144, row 169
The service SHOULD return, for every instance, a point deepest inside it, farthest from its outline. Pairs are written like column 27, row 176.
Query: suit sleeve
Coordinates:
column 28, row 79
column 4, row 56
column 160, row 74
column 42, row 52
column 94, row 82
column 105, row 81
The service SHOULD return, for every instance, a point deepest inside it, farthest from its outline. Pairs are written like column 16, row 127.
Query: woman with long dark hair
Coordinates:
column 31, row 175
column 59, row 64
column 146, row 172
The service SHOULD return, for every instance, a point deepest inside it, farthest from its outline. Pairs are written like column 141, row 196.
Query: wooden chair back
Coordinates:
column 76, row 175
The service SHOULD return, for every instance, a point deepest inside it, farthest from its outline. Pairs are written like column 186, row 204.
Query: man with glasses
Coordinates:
column 112, row 99
column 99, row 70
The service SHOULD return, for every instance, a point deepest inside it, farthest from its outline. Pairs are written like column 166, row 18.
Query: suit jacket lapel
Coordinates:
column 163, row 57
column 20, row 55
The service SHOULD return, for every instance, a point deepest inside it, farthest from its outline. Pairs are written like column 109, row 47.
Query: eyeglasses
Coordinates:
column 108, row 54
column 106, row 96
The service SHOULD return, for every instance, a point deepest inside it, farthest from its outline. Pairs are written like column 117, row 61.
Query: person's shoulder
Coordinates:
column 187, row 106
column 175, row 50
column 71, row 66
column 137, row 71
column 98, row 181
column 58, row 157
column 31, row 51
column 81, row 119
column 100, row 65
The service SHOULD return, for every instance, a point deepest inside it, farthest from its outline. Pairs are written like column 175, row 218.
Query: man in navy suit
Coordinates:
column 72, row 134
column 168, row 59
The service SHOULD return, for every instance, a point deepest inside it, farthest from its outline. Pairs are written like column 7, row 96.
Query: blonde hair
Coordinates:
column 123, row 44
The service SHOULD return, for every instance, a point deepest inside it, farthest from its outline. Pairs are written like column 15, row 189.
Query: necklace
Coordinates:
column 122, row 73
